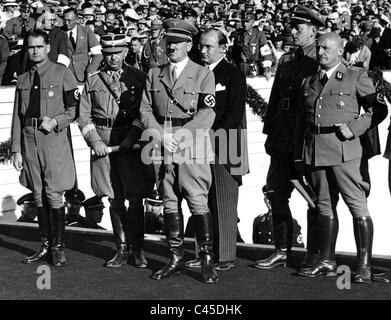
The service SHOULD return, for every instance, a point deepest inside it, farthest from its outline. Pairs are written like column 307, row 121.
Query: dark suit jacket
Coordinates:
column 80, row 60
column 58, row 44
column 231, row 114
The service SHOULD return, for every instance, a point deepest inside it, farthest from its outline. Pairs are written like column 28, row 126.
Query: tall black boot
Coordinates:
column 204, row 235
column 363, row 234
column 328, row 231
column 118, row 221
column 282, row 232
column 173, row 224
column 312, row 254
column 135, row 217
column 44, row 232
column 57, row 217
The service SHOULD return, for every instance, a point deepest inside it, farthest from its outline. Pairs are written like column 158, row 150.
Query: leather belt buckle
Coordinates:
column 317, row 129
column 175, row 102
column 191, row 112
column 34, row 123
column 285, row 103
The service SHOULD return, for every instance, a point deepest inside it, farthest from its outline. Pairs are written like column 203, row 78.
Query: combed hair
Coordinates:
column 221, row 37
column 39, row 33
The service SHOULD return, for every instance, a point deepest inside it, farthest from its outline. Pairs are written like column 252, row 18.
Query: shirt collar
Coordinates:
column 307, row 49
column 213, row 65
column 40, row 69
column 74, row 31
column 179, row 65
column 329, row 72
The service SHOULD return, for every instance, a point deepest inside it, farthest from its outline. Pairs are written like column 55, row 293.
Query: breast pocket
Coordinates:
column 190, row 99
column 50, row 94
column 156, row 95
column 98, row 97
column 340, row 99
column 24, row 97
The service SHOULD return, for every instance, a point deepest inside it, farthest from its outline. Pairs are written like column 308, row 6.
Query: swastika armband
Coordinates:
column 206, row 101
column 71, row 97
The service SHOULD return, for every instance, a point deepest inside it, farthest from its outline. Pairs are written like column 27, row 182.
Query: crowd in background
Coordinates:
column 258, row 30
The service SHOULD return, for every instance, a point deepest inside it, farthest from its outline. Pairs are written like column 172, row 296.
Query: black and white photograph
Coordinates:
column 193, row 158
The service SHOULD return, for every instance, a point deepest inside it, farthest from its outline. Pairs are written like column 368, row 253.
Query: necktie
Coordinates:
column 72, row 39
column 324, row 80
column 23, row 32
column 299, row 53
column 34, row 110
column 173, row 74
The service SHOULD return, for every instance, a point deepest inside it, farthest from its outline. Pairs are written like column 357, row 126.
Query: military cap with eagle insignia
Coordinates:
column 303, row 14
column 113, row 43
column 178, row 30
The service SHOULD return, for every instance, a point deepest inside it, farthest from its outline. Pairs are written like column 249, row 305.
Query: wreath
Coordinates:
column 381, row 85
column 5, row 152
column 256, row 103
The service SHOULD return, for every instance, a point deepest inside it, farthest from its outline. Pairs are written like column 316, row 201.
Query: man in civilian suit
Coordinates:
column 228, row 170
column 81, row 42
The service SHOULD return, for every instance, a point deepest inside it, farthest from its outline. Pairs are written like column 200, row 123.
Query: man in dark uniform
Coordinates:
column 279, row 125
column 154, row 50
column 227, row 171
column 255, row 49
column 327, row 137
column 177, row 107
column 45, row 105
column 190, row 16
column 109, row 116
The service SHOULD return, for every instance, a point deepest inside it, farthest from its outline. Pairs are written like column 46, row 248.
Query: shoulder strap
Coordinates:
column 108, row 88
column 176, row 103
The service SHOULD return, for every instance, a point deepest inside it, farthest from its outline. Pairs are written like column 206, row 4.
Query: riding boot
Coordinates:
column 282, row 232
column 326, row 265
column 363, row 234
column 118, row 222
column 204, row 235
column 135, row 219
column 57, row 217
column 44, row 232
column 312, row 254
column 173, row 223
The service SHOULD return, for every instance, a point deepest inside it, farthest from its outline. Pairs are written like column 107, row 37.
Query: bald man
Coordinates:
column 329, row 127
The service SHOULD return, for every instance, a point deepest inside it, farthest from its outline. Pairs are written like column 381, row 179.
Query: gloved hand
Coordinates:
column 126, row 145
column 299, row 168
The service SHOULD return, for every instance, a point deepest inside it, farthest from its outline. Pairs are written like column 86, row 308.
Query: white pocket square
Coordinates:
column 219, row 87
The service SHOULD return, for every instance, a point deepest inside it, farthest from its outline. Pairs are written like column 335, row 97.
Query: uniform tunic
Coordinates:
column 194, row 89
column 335, row 163
column 154, row 54
column 118, row 176
column 47, row 157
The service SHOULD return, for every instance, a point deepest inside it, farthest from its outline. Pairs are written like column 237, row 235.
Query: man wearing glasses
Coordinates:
column 84, row 50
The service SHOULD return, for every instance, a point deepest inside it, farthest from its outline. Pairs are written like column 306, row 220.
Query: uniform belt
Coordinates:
column 175, row 122
column 110, row 122
column 322, row 130
column 32, row 122
column 284, row 103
